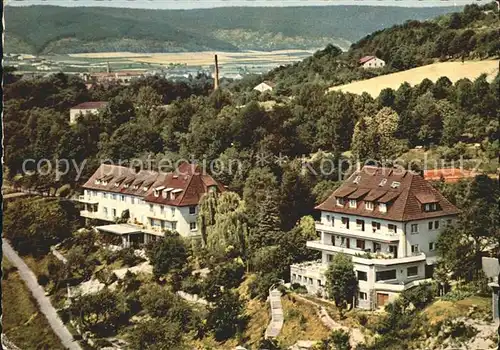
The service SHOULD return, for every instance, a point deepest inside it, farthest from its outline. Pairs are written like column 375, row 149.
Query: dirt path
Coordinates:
column 355, row 335
column 39, row 294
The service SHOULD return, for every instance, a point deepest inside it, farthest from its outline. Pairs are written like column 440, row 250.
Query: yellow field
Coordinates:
column 453, row 70
column 203, row 58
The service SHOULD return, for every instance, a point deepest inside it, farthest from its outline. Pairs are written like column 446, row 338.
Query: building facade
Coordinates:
column 388, row 221
column 84, row 108
column 371, row 62
column 146, row 203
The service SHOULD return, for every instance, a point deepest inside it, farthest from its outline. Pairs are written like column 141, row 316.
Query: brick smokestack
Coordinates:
column 216, row 79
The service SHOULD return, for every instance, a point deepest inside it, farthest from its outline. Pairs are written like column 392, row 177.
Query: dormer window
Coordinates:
column 369, row 205
column 340, row 201
column 357, row 179
column 156, row 193
column 430, row 207
column 395, row 184
column 135, row 187
column 97, row 181
column 382, row 207
column 383, row 182
column 353, row 203
column 105, row 183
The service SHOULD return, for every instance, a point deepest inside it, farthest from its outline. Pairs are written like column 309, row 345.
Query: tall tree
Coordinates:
column 341, row 281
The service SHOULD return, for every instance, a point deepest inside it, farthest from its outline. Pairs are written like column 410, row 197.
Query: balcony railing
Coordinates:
column 87, row 199
column 368, row 233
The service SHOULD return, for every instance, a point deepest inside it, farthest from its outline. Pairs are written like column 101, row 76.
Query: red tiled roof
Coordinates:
column 366, row 59
column 188, row 182
column 91, row 105
column 404, row 201
column 449, row 175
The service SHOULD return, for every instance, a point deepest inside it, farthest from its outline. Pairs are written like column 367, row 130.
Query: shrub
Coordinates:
column 43, row 279
column 456, row 295
column 363, row 319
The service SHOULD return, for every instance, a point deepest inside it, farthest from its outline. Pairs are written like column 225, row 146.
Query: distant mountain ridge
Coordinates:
column 53, row 29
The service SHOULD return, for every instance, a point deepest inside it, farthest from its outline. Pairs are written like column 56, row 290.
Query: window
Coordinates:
column 377, row 247
column 192, row 226
column 294, row 277
column 113, row 196
column 353, row 203
column 345, row 222
column 430, row 225
column 360, row 244
column 432, row 246
column 436, row 224
column 392, row 228
column 385, row 275
column 414, row 228
column 430, row 207
column 310, row 281
column 105, row 210
column 151, row 207
column 114, row 213
column 369, row 205
column 395, row 184
column 340, row 201
column 362, row 275
column 448, row 222
column 383, row 182
column 328, row 218
column 172, row 211
column 412, row 271
column 320, row 284
column 174, row 226
column 360, row 224
column 162, row 209
column 415, row 249
column 375, row 226
column 192, row 210
column 382, row 207
column 122, row 198
column 362, row 296
column 329, row 257
column 104, row 195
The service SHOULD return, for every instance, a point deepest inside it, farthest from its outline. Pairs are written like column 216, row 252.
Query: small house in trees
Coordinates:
column 388, row 221
column 371, row 62
column 265, row 86
column 85, row 108
column 139, row 205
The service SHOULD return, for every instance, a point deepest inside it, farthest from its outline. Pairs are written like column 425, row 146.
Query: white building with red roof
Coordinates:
column 85, row 108
column 388, row 221
column 148, row 202
column 371, row 62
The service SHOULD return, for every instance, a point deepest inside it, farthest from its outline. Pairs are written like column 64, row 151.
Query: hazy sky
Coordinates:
column 190, row 4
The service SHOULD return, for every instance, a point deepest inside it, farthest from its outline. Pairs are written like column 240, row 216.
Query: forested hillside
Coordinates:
column 471, row 34
column 51, row 29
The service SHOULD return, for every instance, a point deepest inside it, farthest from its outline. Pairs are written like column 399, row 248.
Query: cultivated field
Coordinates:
column 205, row 58
column 453, row 70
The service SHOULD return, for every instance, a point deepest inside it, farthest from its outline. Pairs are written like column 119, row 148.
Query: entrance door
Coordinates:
column 382, row 299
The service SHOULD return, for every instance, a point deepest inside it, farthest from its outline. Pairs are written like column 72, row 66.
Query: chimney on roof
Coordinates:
column 216, row 78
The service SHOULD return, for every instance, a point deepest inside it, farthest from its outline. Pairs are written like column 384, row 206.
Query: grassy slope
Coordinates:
column 22, row 322
column 453, row 70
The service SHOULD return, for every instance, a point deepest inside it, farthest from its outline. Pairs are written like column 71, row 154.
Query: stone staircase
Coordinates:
column 274, row 327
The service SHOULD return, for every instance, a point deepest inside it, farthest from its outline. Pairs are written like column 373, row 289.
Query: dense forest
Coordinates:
column 51, row 29
column 471, row 34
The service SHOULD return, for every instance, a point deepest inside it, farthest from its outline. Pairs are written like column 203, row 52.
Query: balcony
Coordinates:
column 87, row 200
column 397, row 286
column 95, row 215
column 368, row 233
column 365, row 258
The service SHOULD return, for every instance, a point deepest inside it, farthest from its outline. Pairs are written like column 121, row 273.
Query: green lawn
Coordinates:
column 23, row 323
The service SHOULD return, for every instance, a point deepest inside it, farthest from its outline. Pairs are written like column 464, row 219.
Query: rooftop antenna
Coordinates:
column 216, row 79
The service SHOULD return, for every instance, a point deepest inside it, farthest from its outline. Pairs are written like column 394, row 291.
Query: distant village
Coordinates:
column 102, row 70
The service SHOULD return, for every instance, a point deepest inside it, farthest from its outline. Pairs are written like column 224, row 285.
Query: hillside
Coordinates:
column 471, row 34
column 52, row 29
column 452, row 70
